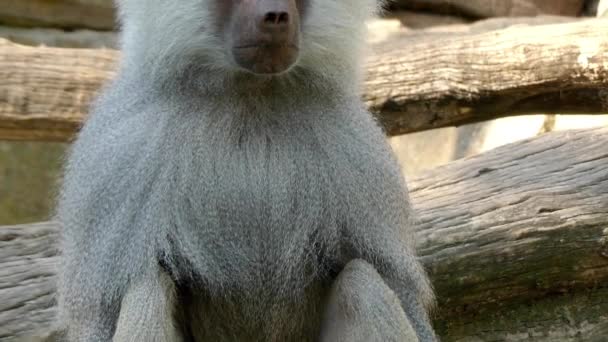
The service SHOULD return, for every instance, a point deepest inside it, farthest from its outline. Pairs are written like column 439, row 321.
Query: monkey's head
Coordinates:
column 265, row 38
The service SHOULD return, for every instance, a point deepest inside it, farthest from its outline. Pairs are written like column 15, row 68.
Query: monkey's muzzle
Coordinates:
column 266, row 59
column 265, row 36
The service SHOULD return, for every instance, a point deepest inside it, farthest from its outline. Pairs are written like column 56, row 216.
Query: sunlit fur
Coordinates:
column 249, row 192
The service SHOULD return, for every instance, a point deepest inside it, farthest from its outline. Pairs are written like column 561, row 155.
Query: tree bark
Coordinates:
column 515, row 242
column 438, row 82
column 89, row 39
column 28, row 261
column 66, row 14
column 100, row 14
column 413, row 84
column 501, row 8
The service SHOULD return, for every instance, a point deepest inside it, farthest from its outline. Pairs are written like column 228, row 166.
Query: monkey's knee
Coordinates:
column 361, row 307
column 147, row 311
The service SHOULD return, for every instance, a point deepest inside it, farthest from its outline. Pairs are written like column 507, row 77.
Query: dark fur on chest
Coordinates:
column 255, row 315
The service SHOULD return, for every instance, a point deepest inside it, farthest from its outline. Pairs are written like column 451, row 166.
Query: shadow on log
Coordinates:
column 65, row 14
column 515, row 241
column 485, row 8
column 417, row 84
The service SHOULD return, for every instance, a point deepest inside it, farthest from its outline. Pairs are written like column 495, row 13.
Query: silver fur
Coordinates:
column 204, row 203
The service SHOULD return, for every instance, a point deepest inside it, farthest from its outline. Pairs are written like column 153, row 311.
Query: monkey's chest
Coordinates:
column 266, row 223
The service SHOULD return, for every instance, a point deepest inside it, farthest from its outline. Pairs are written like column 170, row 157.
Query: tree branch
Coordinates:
column 67, row 14
column 502, row 8
column 560, row 68
column 418, row 84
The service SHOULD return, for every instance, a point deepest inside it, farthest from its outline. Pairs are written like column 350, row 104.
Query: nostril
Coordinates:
column 276, row 18
column 283, row 18
column 270, row 18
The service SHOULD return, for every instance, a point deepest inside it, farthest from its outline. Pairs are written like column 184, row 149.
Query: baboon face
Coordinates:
column 258, row 37
column 262, row 36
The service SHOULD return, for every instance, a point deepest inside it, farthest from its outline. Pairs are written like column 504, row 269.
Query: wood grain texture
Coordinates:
column 515, row 241
column 100, row 14
column 59, row 38
column 28, row 261
column 560, row 68
column 500, row 8
column 413, row 83
column 580, row 316
column 544, row 201
column 46, row 92
column 67, row 14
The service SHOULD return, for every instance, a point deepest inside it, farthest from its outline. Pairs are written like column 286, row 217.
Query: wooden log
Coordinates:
column 388, row 34
column 435, row 82
column 100, row 14
column 558, row 317
column 415, row 85
column 45, row 92
column 59, row 38
column 67, row 14
column 422, row 20
column 28, row 261
column 522, row 221
column 500, row 8
column 515, row 241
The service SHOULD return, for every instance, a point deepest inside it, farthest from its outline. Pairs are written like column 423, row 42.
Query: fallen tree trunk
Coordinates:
column 28, row 261
column 416, row 85
column 502, row 8
column 66, row 14
column 59, row 38
column 515, row 241
column 560, row 68
column 99, row 14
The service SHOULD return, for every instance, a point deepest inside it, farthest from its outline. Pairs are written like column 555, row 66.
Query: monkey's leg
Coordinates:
column 362, row 308
column 147, row 311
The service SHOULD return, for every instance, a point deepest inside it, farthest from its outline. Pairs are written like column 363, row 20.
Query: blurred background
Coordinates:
column 29, row 171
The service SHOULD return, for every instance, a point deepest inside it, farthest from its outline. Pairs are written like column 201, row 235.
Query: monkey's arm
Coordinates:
column 383, row 246
column 108, row 236
column 379, row 230
column 362, row 308
column 147, row 310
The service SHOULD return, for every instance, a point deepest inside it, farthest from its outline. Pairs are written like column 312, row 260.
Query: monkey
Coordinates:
column 230, row 184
